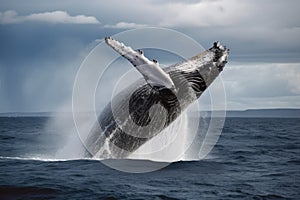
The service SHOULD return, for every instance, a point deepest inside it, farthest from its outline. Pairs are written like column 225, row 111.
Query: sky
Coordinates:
column 43, row 43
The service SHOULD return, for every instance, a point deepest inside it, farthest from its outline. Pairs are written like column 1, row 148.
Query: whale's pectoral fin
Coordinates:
column 152, row 72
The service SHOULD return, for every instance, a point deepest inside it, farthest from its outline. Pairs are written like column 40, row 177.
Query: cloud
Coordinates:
column 263, row 79
column 202, row 14
column 194, row 13
column 258, row 85
column 230, row 13
column 262, row 85
column 55, row 17
column 126, row 25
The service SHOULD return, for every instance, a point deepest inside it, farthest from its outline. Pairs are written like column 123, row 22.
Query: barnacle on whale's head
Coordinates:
column 221, row 55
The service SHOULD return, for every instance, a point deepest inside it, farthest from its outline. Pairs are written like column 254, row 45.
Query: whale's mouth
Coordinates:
column 221, row 55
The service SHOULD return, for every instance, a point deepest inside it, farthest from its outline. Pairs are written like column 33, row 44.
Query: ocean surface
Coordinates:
column 255, row 158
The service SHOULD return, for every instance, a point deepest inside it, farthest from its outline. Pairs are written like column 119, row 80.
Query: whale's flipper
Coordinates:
column 152, row 72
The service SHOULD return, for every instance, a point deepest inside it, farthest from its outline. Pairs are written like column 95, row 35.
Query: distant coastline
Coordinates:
column 257, row 113
column 249, row 113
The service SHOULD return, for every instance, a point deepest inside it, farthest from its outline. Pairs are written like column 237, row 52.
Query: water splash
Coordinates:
column 170, row 145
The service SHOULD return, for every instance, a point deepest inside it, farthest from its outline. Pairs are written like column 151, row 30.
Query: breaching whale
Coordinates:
column 142, row 110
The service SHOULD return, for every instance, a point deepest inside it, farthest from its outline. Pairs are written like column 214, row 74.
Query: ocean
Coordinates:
column 255, row 158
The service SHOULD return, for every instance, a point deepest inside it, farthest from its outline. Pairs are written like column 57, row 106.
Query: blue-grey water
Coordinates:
column 255, row 158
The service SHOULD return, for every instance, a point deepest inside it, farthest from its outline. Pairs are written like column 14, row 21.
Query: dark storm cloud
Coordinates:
column 38, row 63
column 251, row 28
column 39, row 58
column 29, row 42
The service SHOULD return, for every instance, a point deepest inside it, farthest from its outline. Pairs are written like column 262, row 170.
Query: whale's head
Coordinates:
column 201, row 70
column 214, row 59
column 220, row 55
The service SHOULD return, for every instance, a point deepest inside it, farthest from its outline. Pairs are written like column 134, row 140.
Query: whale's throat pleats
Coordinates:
column 160, row 100
column 193, row 80
column 165, row 101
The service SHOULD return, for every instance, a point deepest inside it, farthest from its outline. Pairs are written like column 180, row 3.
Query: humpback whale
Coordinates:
column 142, row 110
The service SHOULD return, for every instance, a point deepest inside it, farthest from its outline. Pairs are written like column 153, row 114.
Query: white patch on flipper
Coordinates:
column 151, row 71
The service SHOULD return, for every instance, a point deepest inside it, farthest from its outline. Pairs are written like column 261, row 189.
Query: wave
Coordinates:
column 87, row 159
column 43, row 159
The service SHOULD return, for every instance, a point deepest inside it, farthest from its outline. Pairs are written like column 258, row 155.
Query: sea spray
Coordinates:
column 69, row 145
